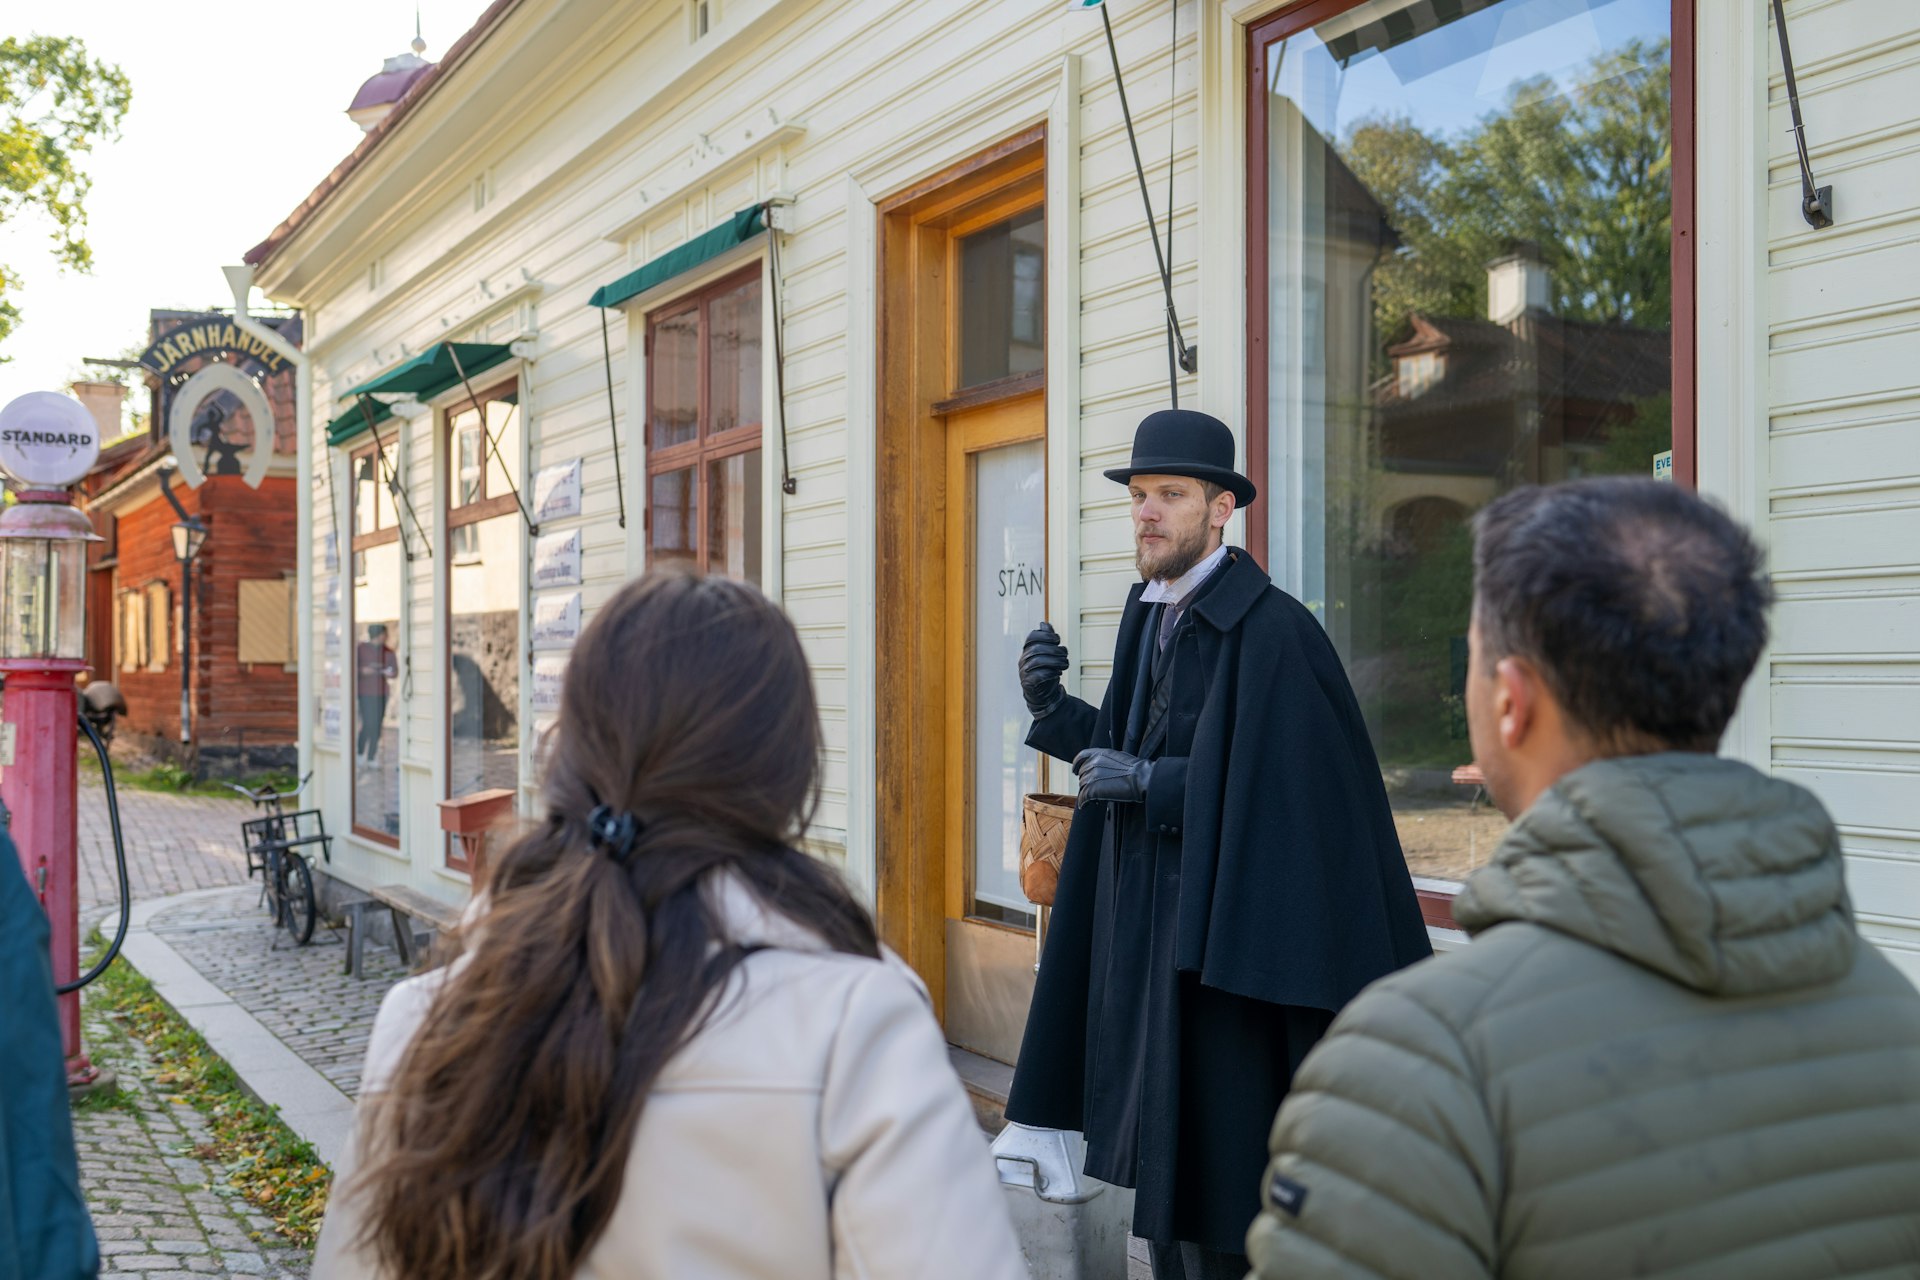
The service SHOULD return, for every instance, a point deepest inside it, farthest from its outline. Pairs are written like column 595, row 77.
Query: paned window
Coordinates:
column 484, row 585
column 704, row 417
column 374, row 624
column 1461, row 278
column 158, row 613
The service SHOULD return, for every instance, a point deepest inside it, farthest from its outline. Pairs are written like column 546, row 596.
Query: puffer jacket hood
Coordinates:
column 1704, row 870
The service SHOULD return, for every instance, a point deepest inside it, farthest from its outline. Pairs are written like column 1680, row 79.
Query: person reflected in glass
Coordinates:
column 374, row 668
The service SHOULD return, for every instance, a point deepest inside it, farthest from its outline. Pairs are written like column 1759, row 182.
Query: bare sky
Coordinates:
column 238, row 111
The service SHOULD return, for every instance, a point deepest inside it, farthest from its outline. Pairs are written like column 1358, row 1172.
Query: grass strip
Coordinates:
column 265, row 1162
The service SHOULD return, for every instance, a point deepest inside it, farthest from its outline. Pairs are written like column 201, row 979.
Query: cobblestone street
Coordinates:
column 298, row 993
column 159, row 1208
column 175, row 843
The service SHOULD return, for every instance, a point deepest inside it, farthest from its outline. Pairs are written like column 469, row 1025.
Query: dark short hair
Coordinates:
column 1212, row 490
column 1643, row 606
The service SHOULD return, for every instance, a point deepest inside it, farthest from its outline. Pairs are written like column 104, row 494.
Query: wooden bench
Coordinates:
column 404, row 905
column 1469, row 775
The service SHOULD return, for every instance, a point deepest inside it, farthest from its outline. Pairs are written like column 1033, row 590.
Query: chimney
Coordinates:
column 104, row 400
column 1518, row 283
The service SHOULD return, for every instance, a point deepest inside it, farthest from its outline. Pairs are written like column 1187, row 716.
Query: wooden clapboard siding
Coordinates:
column 1843, row 446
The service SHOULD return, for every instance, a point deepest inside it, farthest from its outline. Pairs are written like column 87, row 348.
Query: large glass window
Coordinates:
column 375, row 626
column 704, row 416
column 1462, row 281
column 484, row 584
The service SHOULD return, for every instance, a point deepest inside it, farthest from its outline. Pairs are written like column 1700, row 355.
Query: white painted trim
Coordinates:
column 1223, row 218
column 863, row 439
column 1064, row 514
column 1730, row 69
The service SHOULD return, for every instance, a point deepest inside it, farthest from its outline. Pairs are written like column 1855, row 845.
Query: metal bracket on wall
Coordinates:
column 1816, row 203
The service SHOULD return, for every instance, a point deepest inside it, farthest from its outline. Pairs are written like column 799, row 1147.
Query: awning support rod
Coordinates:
column 613, row 425
column 394, row 486
column 1188, row 358
column 787, row 483
column 493, row 446
column 1816, row 203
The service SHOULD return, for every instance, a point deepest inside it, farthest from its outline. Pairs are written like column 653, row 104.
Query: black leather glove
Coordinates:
column 1043, row 659
column 1106, row 774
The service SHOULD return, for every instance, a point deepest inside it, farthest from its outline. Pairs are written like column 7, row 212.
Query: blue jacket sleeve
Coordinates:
column 1167, row 795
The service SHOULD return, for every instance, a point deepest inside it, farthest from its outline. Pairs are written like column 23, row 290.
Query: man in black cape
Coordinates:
column 1232, row 876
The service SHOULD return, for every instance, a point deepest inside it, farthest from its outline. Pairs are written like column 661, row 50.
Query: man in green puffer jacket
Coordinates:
column 1667, row 1051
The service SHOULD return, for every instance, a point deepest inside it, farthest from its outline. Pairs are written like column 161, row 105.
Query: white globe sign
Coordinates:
column 47, row 440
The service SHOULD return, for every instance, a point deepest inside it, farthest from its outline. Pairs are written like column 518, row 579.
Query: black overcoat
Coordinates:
column 1268, row 818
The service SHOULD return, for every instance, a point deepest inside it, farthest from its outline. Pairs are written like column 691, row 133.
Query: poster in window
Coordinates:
column 549, row 673
column 556, row 559
column 332, row 556
column 556, row 621
column 556, row 491
column 331, row 719
column 330, row 594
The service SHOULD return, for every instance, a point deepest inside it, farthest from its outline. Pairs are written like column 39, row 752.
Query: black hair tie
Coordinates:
column 613, row 832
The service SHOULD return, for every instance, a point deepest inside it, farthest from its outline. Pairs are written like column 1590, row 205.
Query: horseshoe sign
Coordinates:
column 196, row 423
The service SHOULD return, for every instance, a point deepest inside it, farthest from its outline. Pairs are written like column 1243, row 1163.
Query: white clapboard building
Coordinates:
column 856, row 300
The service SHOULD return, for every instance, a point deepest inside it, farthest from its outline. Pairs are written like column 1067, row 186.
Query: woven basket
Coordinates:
column 1044, row 820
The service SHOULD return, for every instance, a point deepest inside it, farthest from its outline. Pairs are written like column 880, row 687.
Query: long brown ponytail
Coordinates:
column 499, row 1149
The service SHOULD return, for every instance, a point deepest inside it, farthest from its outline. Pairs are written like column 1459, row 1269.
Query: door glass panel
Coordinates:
column 483, row 659
column 376, row 679
column 675, row 373
column 733, row 516
column 674, row 517
column 1008, row 585
column 734, row 321
column 1469, row 288
column 1003, row 299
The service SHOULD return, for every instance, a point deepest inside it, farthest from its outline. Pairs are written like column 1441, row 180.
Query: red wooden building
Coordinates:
column 239, row 614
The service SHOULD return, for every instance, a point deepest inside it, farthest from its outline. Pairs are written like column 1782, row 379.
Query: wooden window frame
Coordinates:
column 487, row 506
column 358, row 542
column 703, row 449
column 1261, row 34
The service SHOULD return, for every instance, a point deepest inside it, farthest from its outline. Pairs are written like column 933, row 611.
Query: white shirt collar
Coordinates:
column 1173, row 592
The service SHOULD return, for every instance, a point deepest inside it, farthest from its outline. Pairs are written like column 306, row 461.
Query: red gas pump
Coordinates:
column 47, row 441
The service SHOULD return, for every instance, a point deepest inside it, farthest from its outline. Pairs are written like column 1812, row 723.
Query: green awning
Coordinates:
column 433, row 370
column 427, row 375
column 353, row 423
column 737, row 230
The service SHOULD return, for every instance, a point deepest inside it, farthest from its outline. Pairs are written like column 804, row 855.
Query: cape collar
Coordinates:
column 1228, row 596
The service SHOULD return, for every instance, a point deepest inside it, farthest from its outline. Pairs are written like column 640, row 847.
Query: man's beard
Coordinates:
column 1174, row 556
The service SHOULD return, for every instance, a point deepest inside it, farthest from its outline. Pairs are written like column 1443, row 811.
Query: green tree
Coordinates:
column 56, row 104
column 1585, row 175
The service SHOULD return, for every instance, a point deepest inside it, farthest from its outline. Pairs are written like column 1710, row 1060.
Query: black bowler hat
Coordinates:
column 1186, row 442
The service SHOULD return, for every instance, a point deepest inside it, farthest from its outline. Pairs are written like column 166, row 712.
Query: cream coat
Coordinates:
column 814, row 1129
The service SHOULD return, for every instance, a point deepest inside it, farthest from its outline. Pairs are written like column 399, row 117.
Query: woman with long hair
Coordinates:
column 671, row 1044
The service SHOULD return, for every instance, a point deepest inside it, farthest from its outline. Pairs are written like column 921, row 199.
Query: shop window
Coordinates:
column 266, row 623
column 374, row 623
column 1460, row 279
column 704, row 416
column 157, row 609
column 485, row 585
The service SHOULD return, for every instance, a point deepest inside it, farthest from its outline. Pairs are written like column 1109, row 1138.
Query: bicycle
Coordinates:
column 273, row 846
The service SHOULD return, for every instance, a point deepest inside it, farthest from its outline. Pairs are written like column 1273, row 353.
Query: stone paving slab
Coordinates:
column 160, row 1208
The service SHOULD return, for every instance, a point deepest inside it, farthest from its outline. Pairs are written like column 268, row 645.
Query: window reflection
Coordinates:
column 1468, row 276
column 1003, row 299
